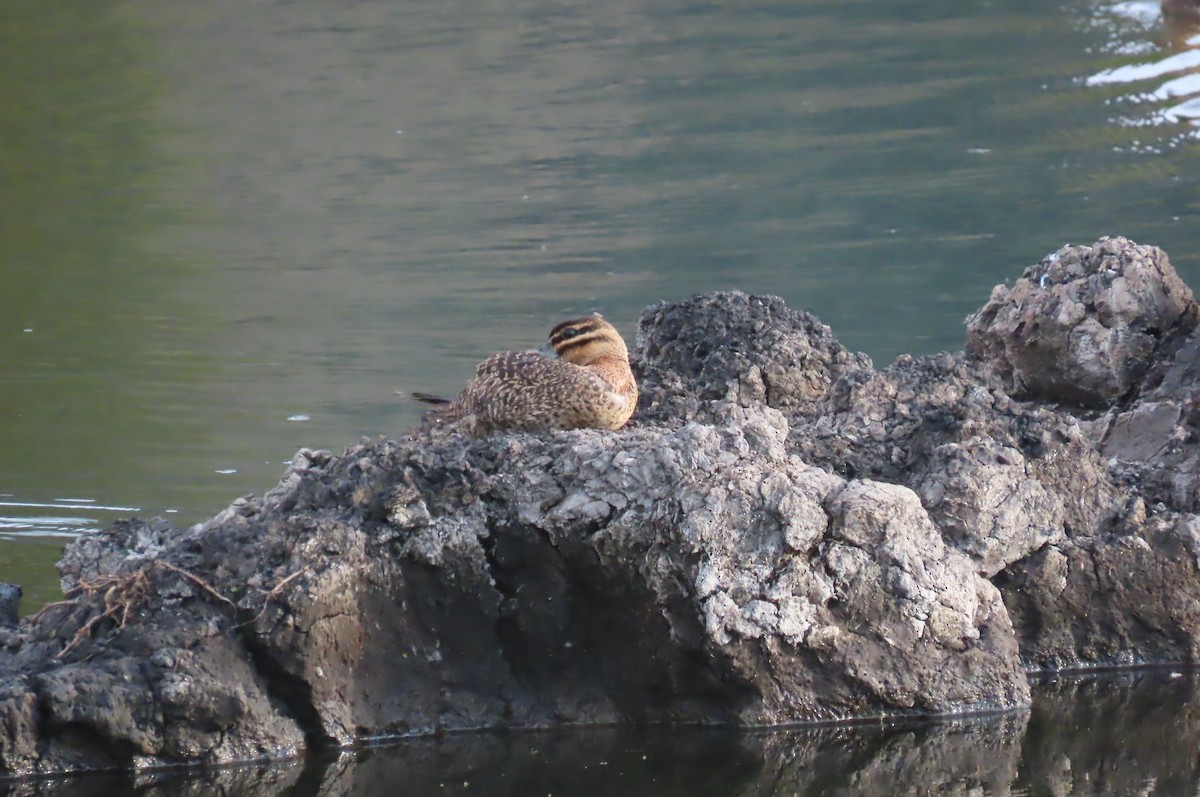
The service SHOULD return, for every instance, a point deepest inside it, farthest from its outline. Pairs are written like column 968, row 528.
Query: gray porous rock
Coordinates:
column 730, row 347
column 783, row 534
column 1151, row 443
column 1083, row 325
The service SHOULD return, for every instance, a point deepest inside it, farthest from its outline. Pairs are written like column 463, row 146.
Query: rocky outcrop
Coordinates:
column 783, row 534
column 1084, row 325
column 694, row 575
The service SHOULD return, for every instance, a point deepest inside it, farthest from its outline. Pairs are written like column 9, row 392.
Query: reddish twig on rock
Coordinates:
column 195, row 579
column 121, row 595
column 271, row 594
column 124, row 594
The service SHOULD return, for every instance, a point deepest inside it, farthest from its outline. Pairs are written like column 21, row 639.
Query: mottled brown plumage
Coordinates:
column 579, row 380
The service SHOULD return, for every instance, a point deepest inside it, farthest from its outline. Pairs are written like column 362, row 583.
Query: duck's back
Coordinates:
column 528, row 391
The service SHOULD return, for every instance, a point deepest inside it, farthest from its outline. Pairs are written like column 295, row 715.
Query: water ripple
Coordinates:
column 1133, row 73
column 71, row 523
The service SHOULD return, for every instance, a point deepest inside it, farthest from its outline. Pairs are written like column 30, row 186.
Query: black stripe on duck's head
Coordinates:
column 584, row 340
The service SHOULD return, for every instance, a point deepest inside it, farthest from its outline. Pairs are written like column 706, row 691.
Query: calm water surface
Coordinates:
column 229, row 230
column 1119, row 735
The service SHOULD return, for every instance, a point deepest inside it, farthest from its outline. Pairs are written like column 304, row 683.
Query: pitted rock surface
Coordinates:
column 1083, row 325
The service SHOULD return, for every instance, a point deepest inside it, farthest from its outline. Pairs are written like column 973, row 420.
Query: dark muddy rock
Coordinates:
column 10, row 604
column 1151, row 445
column 733, row 348
column 179, row 689
column 1120, row 598
column 784, row 534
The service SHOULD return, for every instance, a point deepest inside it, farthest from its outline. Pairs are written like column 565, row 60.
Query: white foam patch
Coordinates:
column 1142, row 12
column 38, row 505
column 13, row 528
column 1184, row 86
column 1187, row 111
column 1132, row 73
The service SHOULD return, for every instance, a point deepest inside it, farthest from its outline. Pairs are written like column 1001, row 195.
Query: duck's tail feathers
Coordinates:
column 429, row 398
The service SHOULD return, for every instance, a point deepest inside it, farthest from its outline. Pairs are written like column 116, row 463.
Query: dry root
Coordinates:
column 124, row 594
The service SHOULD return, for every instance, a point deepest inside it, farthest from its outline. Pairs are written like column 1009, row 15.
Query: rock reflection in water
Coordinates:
column 257, row 780
column 1125, row 733
column 576, row 763
column 881, row 759
column 1109, row 735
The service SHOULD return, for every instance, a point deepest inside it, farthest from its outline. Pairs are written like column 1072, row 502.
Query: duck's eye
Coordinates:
column 567, row 334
